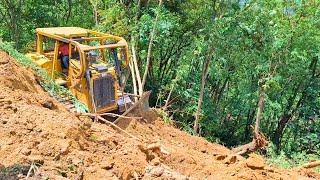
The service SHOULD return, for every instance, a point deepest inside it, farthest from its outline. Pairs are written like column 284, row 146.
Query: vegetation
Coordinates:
column 216, row 59
column 46, row 82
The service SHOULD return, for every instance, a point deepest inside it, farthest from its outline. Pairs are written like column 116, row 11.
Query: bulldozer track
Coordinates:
column 67, row 103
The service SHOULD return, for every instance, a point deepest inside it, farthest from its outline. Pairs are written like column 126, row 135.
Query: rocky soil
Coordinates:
column 52, row 143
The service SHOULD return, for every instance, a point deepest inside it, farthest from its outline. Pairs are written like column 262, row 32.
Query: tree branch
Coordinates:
column 152, row 35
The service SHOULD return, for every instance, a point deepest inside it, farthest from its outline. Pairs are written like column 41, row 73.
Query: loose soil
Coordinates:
column 57, row 144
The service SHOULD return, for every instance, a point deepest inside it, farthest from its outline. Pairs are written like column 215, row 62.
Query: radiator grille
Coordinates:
column 103, row 89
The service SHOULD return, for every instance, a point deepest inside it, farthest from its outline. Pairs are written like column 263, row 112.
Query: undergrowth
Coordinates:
column 165, row 116
column 169, row 120
column 295, row 159
column 46, row 82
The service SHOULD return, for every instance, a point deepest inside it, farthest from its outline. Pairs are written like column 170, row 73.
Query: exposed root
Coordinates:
column 259, row 141
column 312, row 164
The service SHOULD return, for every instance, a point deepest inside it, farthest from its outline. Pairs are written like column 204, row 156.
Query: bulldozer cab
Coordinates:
column 95, row 62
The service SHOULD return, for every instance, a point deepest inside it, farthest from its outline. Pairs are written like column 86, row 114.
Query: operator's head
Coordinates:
column 92, row 56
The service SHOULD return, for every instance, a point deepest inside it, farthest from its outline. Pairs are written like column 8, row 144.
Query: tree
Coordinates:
column 152, row 35
column 218, row 93
column 95, row 4
column 205, row 70
column 10, row 14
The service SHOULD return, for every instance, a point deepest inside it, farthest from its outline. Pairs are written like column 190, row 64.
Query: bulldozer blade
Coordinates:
column 139, row 107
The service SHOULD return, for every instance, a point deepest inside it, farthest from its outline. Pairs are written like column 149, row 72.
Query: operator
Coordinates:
column 92, row 57
column 64, row 54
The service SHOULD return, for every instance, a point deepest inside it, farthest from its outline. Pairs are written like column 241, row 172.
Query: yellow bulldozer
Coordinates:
column 89, row 64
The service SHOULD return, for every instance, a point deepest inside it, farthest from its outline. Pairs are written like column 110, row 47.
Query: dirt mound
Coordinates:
column 57, row 144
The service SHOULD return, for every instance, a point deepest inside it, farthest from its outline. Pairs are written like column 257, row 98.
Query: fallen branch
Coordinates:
column 312, row 164
column 109, row 123
column 115, row 126
column 250, row 147
column 33, row 168
column 121, row 116
column 259, row 141
column 168, row 99
column 109, row 114
column 29, row 172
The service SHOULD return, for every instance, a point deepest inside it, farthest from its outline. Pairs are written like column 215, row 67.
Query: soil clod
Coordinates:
column 35, row 129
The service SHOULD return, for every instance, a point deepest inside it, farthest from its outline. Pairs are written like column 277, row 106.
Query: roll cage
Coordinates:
column 76, row 36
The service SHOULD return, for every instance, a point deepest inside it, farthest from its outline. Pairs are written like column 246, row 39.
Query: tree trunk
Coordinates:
column 250, row 117
column 259, row 112
column 221, row 90
column 168, row 98
column 95, row 11
column 258, row 140
column 133, row 80
column 69, row 11
column 291, row 108
column 205, row 70
column 137, row 72
column 95, row 4
column 279, row 131
column 312, row 164
column 152, row 35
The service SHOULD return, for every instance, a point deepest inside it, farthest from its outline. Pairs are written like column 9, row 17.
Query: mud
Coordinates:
column 62, row 145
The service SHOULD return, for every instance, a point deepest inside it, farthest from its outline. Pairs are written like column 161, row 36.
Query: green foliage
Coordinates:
column 294, row 159
column 47, row 83
column 114, row 19
column 164, row 115
column 19, row 21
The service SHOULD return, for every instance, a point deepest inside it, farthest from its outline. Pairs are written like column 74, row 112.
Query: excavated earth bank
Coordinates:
column 56, row 144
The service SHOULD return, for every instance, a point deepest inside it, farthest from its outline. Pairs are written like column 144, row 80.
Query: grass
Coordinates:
column 296, row 159
column 47, row 83
column 165, row 116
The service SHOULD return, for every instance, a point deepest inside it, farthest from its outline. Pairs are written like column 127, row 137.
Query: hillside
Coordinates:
column 62, row 145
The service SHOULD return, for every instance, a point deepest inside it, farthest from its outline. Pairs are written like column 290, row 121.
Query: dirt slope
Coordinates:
column 64, row 146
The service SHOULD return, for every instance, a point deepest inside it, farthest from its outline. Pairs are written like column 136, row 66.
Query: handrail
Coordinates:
column 82, row 48
column 104, row 46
